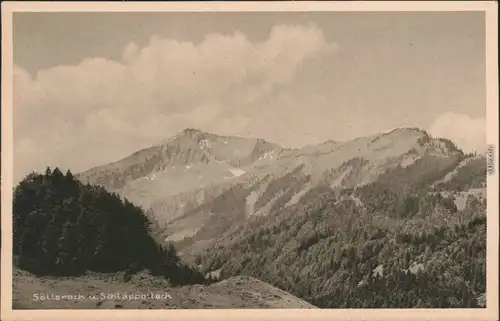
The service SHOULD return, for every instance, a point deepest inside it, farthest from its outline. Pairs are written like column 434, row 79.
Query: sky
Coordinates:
column 92, row 88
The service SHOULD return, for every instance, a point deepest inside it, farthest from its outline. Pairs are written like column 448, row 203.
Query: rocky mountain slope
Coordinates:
column 413, row 237
column 398, row 248
column 199, row 185
column 339, row 224
column 204, row 152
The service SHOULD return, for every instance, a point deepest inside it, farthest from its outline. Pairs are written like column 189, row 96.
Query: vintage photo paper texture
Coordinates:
column 249, row 160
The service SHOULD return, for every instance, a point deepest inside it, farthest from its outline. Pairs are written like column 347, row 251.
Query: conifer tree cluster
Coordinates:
column 63, row 227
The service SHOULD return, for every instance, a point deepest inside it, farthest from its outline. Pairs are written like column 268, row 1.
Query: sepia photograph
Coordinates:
column 276, row 157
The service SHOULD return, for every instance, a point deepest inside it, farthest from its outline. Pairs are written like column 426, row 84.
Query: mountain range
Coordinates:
column 197, row 186
column 395, row 219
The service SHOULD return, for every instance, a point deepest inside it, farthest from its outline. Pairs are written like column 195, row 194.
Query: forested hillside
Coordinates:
column 63, row 227
column 392, row 220
column 396, row 242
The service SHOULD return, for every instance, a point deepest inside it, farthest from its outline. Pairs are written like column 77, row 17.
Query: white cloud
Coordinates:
column 94, row 112
column 468, row 133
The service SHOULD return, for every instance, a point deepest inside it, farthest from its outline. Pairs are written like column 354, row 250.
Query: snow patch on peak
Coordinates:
column 236, row 171
column 406, row 162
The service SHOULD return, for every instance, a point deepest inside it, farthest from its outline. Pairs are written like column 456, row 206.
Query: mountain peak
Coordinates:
column 409, row 130
column 191, row 133
column 191, row 130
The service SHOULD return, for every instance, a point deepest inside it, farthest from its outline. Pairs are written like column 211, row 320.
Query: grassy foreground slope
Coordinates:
column 234, row 293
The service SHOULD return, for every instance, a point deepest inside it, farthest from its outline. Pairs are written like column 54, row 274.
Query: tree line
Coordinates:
column 407, row 245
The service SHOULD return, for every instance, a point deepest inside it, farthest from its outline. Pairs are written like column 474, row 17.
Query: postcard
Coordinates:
column 250, row 160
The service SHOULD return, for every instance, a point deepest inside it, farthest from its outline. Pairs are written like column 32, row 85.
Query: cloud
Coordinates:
column 468, row 133
column 84, row 115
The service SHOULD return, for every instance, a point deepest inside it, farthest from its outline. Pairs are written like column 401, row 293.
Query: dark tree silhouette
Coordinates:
column 64, row 227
